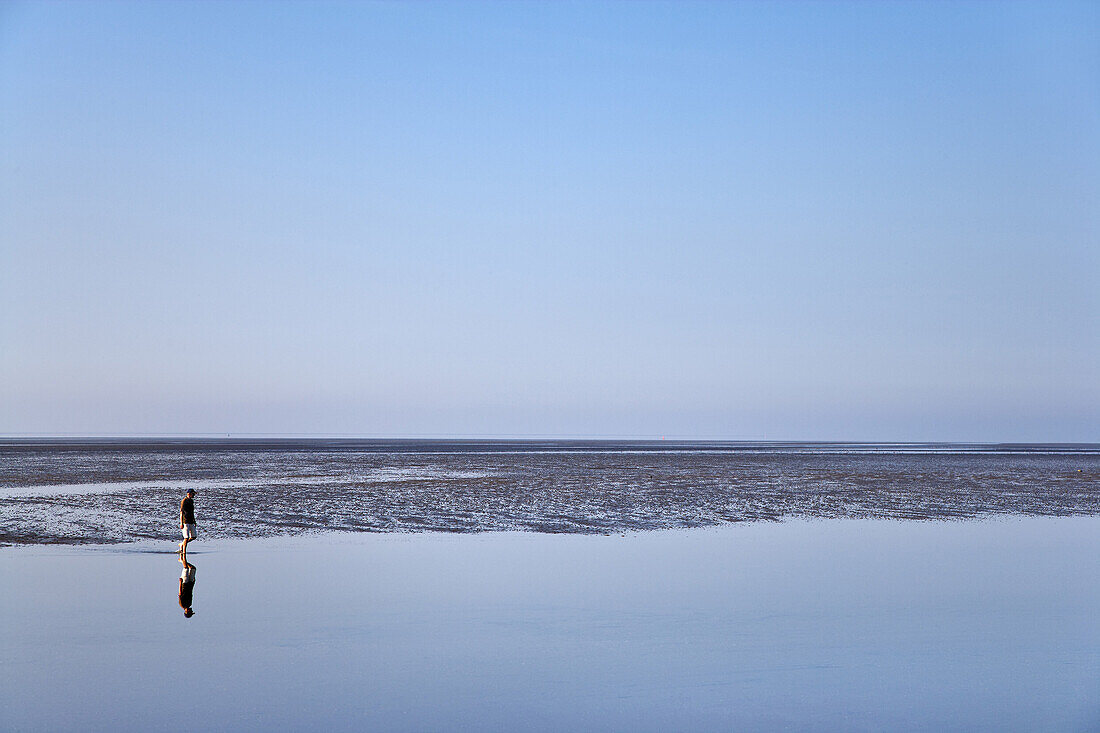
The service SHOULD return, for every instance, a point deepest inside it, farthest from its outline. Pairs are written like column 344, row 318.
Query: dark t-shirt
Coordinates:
column 187, row 508
column 186, row 591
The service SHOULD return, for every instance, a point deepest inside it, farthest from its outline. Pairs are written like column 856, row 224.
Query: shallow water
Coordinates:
column 824, row 625
column 126, row 491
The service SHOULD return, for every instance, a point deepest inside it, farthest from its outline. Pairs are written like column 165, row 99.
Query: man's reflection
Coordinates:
column 187, row 586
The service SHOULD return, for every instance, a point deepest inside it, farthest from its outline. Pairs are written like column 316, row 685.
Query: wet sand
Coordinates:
column 801, row 625
column 127, row 492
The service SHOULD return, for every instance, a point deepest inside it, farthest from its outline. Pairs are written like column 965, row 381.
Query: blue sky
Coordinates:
column 779, row 221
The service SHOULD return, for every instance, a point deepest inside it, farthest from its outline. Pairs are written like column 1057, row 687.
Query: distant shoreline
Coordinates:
column 520, row 445
column 523, row 445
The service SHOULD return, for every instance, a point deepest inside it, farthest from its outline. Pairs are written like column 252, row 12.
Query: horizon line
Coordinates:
column 548, row 437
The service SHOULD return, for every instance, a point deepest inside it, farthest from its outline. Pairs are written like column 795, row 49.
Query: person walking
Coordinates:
column 187, row 520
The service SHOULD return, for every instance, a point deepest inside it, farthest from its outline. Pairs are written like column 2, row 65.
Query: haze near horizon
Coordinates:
column 746, row 221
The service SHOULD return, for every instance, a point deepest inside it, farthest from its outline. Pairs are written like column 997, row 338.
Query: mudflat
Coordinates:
column 126, row 491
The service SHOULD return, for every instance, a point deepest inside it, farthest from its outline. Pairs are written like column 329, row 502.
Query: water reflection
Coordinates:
column 187, row 586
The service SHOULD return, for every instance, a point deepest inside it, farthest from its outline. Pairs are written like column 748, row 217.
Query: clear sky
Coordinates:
column 755, row 221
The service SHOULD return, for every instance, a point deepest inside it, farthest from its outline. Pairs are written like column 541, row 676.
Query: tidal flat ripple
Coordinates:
column 117, row 492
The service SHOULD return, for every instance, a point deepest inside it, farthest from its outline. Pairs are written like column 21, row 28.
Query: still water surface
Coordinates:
column 803, row 625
